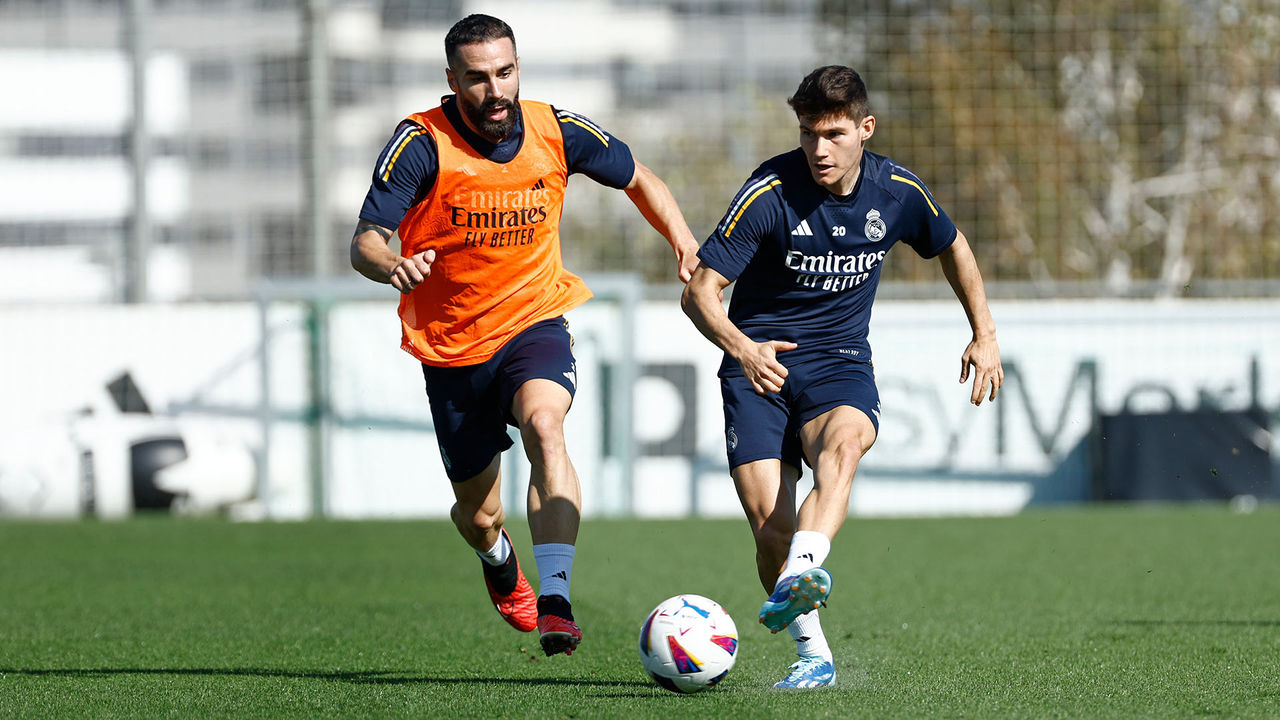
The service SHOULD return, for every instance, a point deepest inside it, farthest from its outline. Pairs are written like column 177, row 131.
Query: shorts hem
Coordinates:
column 474, row 472
column 806, row 417
column 772, row 456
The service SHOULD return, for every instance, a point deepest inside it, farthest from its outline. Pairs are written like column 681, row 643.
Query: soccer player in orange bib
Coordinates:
column 475, row 189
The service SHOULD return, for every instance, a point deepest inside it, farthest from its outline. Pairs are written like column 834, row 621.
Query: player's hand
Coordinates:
column 411, row 271
column 686, row 259
column 983, row 355
column 761, row 367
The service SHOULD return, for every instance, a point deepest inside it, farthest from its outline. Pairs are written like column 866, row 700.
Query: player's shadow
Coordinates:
column 359, row 677
column 1204, row 623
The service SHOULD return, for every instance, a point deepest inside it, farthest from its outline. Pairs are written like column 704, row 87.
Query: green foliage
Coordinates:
column 1099, row 612
column 1084, row 140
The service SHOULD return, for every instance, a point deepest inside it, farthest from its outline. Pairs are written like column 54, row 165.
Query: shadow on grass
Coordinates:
column 360, row 677
column 1205, row 623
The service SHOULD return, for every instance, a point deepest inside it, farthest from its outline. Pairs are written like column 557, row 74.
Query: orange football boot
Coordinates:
column 558, row 635
column 520, row 606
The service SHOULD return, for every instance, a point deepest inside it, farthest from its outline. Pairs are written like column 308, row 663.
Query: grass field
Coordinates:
column 1103, row 612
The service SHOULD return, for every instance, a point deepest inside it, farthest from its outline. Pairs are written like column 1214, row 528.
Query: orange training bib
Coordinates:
column 495, row 229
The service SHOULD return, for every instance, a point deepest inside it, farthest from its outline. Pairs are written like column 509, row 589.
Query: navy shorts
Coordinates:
column 471, row 405
column 760, row 427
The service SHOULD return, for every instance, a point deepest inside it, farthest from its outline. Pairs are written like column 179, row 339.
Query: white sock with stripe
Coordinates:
column 810, row 640
column 498, row 554
column 809, row 549
column 555, row 567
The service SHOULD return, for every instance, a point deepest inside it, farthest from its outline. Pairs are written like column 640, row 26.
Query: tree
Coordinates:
column 1084, row 140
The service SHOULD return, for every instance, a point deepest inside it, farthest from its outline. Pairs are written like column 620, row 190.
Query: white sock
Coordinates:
column 497, row 554
column 810, row 640
column 809, row 549
column 555, row 566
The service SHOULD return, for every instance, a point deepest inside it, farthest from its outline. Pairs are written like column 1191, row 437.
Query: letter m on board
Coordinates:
column 1086, row 374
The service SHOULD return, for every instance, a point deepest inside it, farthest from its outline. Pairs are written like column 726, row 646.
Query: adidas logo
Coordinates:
column 560, row 575
column 539, row 185
column 808, row 556
column 802, row 229
column 803, row 638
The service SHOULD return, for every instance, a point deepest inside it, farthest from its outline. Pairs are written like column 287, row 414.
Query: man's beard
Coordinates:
column 494, row 130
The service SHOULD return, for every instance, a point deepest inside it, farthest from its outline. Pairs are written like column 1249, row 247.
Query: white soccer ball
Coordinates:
column 688, row 643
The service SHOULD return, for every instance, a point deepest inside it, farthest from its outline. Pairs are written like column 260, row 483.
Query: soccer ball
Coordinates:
column 688, row 643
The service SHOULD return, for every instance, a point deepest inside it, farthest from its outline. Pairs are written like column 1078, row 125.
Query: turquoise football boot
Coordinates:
column 795, row 596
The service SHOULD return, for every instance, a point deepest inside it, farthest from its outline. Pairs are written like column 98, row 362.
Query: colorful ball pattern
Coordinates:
column 688, row 643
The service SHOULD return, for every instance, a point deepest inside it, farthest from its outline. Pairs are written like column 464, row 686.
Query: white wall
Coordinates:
column 55, row 360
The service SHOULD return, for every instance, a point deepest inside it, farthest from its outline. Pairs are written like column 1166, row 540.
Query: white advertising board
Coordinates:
column 199, row 368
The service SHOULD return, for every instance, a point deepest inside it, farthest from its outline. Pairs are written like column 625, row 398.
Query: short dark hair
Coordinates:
column 473, row 29
column 831, row 90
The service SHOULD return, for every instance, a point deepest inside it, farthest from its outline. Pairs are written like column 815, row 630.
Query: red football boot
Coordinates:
column 519, row 607
column 558, row 635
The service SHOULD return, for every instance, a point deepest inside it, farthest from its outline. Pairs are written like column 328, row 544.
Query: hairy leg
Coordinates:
column 477, row 510
column 766, row 489
column 834, row 442
column 555, row 497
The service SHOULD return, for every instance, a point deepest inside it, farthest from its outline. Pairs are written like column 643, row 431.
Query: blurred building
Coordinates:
column 230, row 143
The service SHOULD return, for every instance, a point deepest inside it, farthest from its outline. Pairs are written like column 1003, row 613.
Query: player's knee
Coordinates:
column 545, row 428
column 846, row 453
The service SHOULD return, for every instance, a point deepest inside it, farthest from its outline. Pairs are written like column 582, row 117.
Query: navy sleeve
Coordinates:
column 928, row 229
column 752, row 215
column 589, row 150
column 405, row 172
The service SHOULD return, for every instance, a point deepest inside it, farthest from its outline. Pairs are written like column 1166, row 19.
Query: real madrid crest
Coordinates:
column 875, row 228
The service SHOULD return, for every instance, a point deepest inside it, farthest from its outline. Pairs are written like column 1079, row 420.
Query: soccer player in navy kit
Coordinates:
column 804, row 240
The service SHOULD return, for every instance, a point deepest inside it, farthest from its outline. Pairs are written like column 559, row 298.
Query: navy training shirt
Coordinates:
column 588, row 149
column 807, row 263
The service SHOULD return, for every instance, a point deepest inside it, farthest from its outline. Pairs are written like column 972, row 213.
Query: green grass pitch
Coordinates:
column 1107, row 612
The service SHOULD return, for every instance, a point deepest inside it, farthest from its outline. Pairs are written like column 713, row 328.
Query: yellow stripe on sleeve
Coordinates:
column 586, row 127
column 403, row 144
column 747, row 204
column 916, row 185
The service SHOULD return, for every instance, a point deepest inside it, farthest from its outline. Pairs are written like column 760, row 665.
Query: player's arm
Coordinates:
column 701, row 301
column 405, row 171
column 591, row 150
column 372, row 257
column 655, row 202
column 983, row 353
